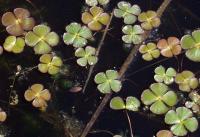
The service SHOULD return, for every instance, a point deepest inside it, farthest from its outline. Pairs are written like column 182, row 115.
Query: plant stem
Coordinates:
column 121, row 73
column 97, row 52
column 129, row 122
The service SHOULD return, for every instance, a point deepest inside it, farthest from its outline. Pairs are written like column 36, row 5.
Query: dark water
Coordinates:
column 181, row 17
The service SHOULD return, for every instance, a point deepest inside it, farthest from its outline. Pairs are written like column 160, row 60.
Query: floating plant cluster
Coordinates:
column 160, row 98
column 23, row 33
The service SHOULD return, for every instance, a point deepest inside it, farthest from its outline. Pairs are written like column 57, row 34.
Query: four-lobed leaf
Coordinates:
column 165, row 75
column 133, row 34
column 128, row 12
column 86, row 56
column 50, row 64
column 18, row 21
column 149, row 51
column 95, row 18
column 108, row 81
column 14, row 44
column 186, row 81
column 149, row 20
column 38, row 95
column 42, row 39
column 77, row 35
column 191, row 43
column 182, row 121
column 159, row 98
column 170, row 47
column 132, row 103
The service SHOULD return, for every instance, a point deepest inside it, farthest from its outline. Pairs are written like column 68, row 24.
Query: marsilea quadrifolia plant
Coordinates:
column 174, row 94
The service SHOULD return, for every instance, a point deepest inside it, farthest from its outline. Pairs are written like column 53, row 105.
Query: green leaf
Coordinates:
column 31, row 39
column 53, row 70
column 183, row 113
column 19, row 45
column 160, row 70
column 104, row 88
column 42, row 48
column 117, row 103
column 159, row 88
column 92, row 60
column 79, row 42
column 132, row 103
column 159, row 107
column 191, row 124
column 118, row 13
column 196, row 36
column 112, row 74
column 170, row 98
column 171, row 117
column 148, row 97
column 80, row 52
column 82, row 62
column 116, row 85
column 52, row 38
column 90, row 50
column 68, row 38
column 100, row 78
column 193, row 54
column 73, row 28
column 56, row 61
column 179, row 130
column 130, row 19
column 41, row 30
column 85, row 32
column 187, row 42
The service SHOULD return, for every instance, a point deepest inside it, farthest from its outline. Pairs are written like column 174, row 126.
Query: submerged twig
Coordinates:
column 97, row 52
column 122, row 72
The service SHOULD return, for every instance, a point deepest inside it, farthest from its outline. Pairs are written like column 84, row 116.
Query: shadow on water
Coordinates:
column 181, row 17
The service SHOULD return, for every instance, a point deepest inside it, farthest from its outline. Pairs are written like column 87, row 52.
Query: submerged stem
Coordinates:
column 129, row 122
column 97, row 53
column 122, row 72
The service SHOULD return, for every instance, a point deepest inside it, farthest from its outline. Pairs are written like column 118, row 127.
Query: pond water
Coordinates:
column 181, row 17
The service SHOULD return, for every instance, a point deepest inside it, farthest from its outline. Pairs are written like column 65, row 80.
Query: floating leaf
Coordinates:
column 127, row 12
column 93, row 3
column 159, row 98
column 117, row 103
column 14, row 44
column 186, row 81
column 182, row 121
column 18, row 22
column 133, row 34
column 86, row 56
column 149, row 51
column 191, row 44
column 3, row 115
column 77, row 35
column 50, row 64
column 41, row 39
column 108, row 81
column 149, row 20
column 170, row 47
column 163, row 75
column 38, row 95
column 132, row 103
column 95, row 18
column 164, row 133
